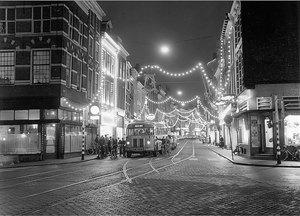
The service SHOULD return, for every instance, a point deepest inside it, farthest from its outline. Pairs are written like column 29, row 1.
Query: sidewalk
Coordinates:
column 241, row 160
column 49, row 162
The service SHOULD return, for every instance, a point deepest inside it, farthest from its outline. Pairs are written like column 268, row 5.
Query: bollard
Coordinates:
column 278, row 155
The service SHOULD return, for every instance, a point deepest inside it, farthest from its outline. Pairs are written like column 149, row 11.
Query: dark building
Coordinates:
column 270, row 39
column 48, row 65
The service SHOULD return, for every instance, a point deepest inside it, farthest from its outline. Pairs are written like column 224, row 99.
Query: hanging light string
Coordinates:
column 171, row 98
column 169, row 73
column 199, row 65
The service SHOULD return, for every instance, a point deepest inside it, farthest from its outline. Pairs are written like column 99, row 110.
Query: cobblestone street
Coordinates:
column 193, row 181
column 190, row 188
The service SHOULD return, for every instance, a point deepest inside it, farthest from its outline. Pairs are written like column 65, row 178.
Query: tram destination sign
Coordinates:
column 139, row 126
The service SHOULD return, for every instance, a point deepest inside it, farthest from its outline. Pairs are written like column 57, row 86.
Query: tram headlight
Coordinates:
column 148, row 142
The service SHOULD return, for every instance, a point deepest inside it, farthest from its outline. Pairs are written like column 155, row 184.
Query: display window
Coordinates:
column 243, row 133
column 20, row 139
column 292, row 130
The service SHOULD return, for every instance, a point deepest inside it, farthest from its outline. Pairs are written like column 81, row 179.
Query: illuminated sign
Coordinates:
column 94, row 110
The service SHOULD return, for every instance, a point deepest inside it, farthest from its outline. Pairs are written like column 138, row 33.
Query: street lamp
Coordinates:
column 165, row 49
column 179, row 93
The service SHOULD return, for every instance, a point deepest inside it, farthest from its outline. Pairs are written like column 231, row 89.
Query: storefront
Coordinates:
column 255, row 133
column 33, row 135
column 292, row 130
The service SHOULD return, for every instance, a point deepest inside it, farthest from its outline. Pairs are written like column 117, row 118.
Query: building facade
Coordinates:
column 48, row 74
column 259, row 76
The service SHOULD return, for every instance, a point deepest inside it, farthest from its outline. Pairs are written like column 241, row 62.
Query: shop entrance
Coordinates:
column 51, row 151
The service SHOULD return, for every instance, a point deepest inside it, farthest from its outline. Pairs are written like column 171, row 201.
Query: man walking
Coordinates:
column 122, row 143
column 101, row 147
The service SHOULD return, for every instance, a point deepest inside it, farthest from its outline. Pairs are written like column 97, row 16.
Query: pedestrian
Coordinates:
column 106, row 145
column 101, row 147
column 163, row 147
column 209, row 139
column 114, row 144
column 221, row 142
column 122, row 143
column 96, row 145
column 109, row 144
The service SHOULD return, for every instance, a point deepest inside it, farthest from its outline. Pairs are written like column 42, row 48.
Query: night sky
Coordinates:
column 190, row 28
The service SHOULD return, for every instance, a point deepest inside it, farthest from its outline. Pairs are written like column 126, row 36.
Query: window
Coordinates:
column 79, row 74
column 239, row 74
column 80, row 36
column 97, row 52
column 7, row 115
column 68, row 70
column 50, row 114
column 7, row 69
column 104, row 59
column 89, row 90
column 41, row 66
column 96, row 82
column 21, row 114
column 238, row 30
column 34, row 114
column 7, row 21
column 41, row 19
column 70, row 28
column 24, row 20
column 91, row 46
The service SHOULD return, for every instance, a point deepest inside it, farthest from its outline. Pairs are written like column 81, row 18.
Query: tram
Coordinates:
column 141, row 138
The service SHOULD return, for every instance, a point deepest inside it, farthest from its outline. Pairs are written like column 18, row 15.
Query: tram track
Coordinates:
column 127, row 179
column 153, row 164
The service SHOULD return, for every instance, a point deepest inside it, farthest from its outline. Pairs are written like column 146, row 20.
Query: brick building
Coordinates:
column 49, row 73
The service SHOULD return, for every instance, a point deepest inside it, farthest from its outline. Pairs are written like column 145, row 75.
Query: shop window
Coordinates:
column 50, row 114
column 7, row 115
column 34, row 114
column 292, row 130
column 21, row 115
column 20, row 139
column 73, row 139
column 243, row 133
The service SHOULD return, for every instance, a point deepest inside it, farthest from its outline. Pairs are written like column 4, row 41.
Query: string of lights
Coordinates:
column 171, row 98
column 169, row 73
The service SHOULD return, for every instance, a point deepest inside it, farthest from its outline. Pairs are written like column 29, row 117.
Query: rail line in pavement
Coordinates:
column 124, row 171
column 127, row 178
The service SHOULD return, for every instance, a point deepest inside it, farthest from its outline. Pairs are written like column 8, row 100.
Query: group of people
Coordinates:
column 106, row 146
column 166, row 145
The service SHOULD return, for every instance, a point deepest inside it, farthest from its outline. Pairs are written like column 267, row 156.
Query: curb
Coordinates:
column 44, row 164
column 251, row 164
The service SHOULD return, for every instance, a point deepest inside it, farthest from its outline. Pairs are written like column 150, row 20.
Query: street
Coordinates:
column 192, row 181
